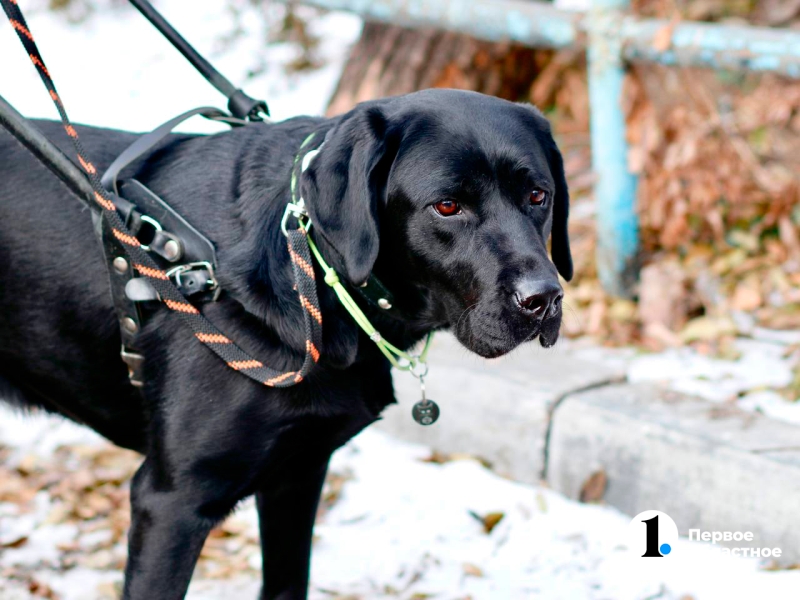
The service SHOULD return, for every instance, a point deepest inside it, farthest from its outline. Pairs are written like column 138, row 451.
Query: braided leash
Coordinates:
column 400, row 359
column 236, row 358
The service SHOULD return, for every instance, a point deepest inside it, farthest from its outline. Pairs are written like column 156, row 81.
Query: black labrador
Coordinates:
column 449, row 197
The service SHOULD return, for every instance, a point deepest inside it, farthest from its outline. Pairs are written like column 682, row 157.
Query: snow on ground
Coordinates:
column 115, row 70
column 765, row 365
column 396, row 526
column 576, row 5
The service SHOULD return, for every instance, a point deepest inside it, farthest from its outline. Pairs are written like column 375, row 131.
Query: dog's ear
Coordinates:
column 343, row 188
column 559, row 244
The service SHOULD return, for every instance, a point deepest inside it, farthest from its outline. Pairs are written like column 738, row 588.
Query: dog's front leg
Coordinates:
column 168, row 529
column 286, row 516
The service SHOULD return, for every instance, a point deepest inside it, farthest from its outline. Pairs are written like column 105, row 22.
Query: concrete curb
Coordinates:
column 497, row 410
column 708, row 466
column 540, row 415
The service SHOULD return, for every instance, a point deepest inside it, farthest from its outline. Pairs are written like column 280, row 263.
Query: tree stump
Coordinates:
column 389, row 60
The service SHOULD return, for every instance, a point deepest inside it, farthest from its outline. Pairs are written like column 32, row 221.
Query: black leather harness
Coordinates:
column 151, row 252
column 186, row 255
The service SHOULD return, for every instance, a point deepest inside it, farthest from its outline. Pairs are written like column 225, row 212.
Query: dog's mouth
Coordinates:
column 493, row 338
column 548, row 333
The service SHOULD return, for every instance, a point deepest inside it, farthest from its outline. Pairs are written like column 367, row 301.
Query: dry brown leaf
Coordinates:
column 489, row 520
column 15, row 542
column 471, row 570
column 747, row 296
column 594, row 488
column 707, row 329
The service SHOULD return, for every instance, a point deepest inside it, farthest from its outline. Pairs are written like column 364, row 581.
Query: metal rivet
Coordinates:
column 384, row 303
column 172, row 250
column 120, row 265
column 129, row 325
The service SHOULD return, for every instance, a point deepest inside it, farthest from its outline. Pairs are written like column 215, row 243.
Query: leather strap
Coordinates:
column 148, row 141
column 380, row 297
column 204, row 331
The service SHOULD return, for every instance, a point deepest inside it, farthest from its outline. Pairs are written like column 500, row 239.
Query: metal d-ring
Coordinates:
column 176, row 272
column 295, row 209
column 419, row 370
column 156, row 225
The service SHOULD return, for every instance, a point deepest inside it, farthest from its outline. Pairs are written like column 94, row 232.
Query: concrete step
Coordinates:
column 540, row 414
column 708, row 466
column 495, row 409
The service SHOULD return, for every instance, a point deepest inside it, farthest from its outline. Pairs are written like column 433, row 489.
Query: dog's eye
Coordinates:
column 538, row 197
column 447, row 208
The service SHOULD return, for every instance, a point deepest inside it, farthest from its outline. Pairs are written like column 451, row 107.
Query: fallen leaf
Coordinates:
column 15, row 542
column 594, row 488
column 707, row 328
column 437, row 457
column 541, row 502
column 471, row 570
column 747, row 296
column 489, row 520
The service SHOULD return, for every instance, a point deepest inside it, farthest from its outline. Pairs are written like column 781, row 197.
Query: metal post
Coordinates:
column 615, row 189
column 613, row 36
column 539, row 24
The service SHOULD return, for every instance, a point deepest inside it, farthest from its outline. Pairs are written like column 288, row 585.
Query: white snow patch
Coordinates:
column 575, row 5
column 403, row 526
column 115, row 70
column 42, row 431
column 751, row 379
column 773, row 405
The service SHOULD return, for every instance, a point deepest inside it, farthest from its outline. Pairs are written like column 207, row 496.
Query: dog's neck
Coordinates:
column 255, row 269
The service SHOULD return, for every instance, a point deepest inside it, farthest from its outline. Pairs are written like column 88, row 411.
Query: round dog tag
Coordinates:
column 425, row 412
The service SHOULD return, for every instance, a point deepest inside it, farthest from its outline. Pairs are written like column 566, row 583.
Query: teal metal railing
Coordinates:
column 612, row 37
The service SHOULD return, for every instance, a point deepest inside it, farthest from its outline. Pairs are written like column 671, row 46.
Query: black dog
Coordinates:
column 449, row 197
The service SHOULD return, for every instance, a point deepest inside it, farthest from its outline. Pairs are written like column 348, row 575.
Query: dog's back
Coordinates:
column 59, row 339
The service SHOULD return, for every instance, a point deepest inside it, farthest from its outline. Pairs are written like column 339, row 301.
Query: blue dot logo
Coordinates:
column 652, row 534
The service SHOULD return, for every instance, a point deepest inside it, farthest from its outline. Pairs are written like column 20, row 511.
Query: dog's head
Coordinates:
column 454, row 195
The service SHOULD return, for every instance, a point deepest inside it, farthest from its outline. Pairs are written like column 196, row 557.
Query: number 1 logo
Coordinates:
column 653, row 548
column 659, row 535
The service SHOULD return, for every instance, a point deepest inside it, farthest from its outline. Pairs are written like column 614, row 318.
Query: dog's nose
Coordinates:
column 538, row 299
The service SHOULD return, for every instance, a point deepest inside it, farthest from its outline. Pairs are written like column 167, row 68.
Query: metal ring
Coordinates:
column 295, row 209
column 155, row 225
column 176, row 272
column 419, row 374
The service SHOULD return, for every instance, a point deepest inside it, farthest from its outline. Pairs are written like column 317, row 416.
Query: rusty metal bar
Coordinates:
column 725, row 47
column 612, row 36
column 538, row 24
column 615, row 188
column 534, row 24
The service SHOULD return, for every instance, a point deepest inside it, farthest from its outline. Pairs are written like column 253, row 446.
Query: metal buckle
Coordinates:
column 134, row 362
column 295, row 209
column 212, row 280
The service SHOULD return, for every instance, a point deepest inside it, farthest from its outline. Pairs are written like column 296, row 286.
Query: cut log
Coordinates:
column 389, row 60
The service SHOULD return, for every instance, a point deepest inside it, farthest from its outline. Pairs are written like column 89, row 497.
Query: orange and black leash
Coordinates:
column 205, row 332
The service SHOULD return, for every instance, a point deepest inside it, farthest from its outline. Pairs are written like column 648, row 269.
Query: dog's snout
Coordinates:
column 538, row 299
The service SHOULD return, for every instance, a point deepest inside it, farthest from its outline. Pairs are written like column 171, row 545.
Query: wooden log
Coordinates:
column 389, row 60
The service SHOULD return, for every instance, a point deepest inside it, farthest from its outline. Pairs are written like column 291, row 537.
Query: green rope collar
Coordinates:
column 415, row 364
